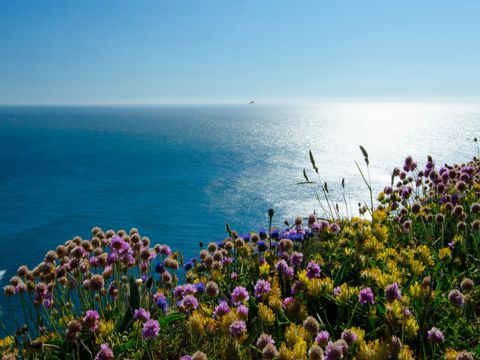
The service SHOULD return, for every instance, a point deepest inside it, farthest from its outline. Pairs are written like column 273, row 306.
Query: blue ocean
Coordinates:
column 180, row 173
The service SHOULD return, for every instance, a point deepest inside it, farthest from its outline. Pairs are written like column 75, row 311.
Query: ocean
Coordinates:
column 180, row 173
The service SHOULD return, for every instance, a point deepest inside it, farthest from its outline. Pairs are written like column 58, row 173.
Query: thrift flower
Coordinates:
column 239, row 295
column 262, row 287
column 435, row 335
column 105, row 353
column 237, row 328
column 150, row 330
column 141, row 314
column 366, row 296
column 91, row 320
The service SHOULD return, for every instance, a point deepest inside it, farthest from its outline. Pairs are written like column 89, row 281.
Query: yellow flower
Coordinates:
column 104, row 330
column 275, row 302
column 444, row 253
column 300, row 349
column 294, row 334
column 360, row 333
column 406, row 353
column 7, row 341
column 450, row 354
column 285, row 353
column 320, row 287
column 264, row 269
column 411, row 326
column 266, row 315
column 416, row 290
column 425, row 255
column 197, row 324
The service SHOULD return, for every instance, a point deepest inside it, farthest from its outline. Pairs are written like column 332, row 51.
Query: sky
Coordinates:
column 161, row 52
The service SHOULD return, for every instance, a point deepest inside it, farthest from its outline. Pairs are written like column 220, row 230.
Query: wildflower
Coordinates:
column 266, row 315
column 269, row 352
column 105, row 353
column 239, row 295
column 392, row 292
column 366, row 295
column 150, row 330
column 467, row 284
column 311, row 325
column 186, row 357
column 313, row 270
column 141, row 314
column 337, row 291
column 91, row 320
column 237, row 328
column 464, row 355
column 349, row 336
column 189, row 303
column 296, row 259
column 261, row 246
column 456, row 298
column 221, row 309
column 322, row 338
column 242, row 311
column 262, row 287
column 264, row 340
column 336, row 350
column 435, row 335
column 211, row 289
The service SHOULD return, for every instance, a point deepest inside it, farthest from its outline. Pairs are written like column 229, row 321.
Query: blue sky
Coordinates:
column 81, row 52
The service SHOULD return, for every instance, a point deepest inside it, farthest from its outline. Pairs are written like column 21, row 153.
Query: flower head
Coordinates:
column 239, row 295
column 141, row 314
column 366, row 296
column 91, row 320
column 150, row 329
column 105, row 353
column 262, row 287
column 392, row 292
column 435, row 335
column 237, row 328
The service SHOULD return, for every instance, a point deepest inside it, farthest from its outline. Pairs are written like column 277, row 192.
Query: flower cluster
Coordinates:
column 399, row 283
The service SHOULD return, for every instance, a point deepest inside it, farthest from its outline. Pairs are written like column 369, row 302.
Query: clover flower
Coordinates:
column 392, row 292
column 105, row 353
column 435, row 335
column 211, row 289
column 269, row 352
column 239, row 295
column 221, row 309
column 91, row 320
column 263, row 340
column 313, row 270
column 296, row 259
column 366, row 296
column 237, row 328
column 141, row 314
column 189, row 303
column 456, row 298
column 262, row 287
column 349, row 336
column 242, row 311
column 336, row 350
column 322, row 337
column 150, row 330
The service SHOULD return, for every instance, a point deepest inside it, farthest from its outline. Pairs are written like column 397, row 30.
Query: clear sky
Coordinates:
column 113, row 51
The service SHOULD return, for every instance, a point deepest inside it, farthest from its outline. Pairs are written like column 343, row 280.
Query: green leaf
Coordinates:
column 170, row 318
column 305, row 175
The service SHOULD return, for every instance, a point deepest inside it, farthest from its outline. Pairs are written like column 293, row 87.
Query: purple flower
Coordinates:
column 392, row 292
column 322, row 337
column 221, row 309
column 366, row 295
column 313, row 270
column 349, row 336
column 336, row 350
column 287, row 302
column 141, row 314
column 334, row 227
column 237, row 328
column 435, row 335
column 456, row 298
column 242, row 311
column 186, row 357
column 189, row 303
column 91, row 320
column 150, row 329
column 239, row 295
column 105, row 353
column 337, row 291
column 262, row 287
column 296, row 259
